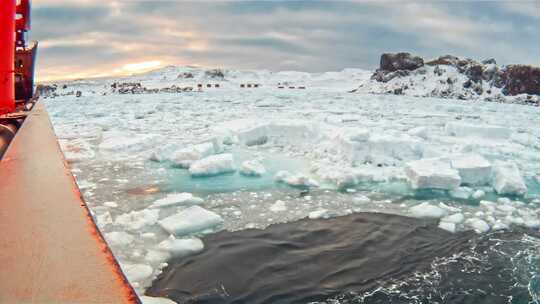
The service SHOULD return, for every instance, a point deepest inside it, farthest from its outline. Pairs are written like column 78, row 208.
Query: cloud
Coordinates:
column 276, row 35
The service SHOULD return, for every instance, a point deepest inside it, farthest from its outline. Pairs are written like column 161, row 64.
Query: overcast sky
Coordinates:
column 82, row 38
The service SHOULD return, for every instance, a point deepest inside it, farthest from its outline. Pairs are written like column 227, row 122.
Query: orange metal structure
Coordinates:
column 7, row 56
column 51, row 250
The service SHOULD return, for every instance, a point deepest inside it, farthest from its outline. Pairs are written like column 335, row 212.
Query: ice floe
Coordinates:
column 252, row 168
column 433, row 173
column 295, row 180
column 181, row 247
column 191, row 220
column 507, row 179
column 427, row 210
column 177, row 199
column 213, row 165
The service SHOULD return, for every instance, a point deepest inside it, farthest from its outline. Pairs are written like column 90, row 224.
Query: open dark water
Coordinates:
column 359, row 258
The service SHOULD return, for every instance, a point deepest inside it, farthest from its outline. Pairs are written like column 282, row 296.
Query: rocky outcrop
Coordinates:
column 400, row 61
column 453, row 77
column 396, row 65
column 520, row 79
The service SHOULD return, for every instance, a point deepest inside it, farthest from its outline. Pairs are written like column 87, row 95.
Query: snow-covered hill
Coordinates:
column 455, row 78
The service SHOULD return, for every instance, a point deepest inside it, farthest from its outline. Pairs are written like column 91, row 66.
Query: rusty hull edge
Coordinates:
column 51, row 250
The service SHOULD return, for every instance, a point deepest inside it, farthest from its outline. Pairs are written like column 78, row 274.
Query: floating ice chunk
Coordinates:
column 278, row 206
column 121, row 142
column 77, row 150
column 156, row 256
column 473, row 169
column 110, row 204
column 418, row 132
column 104, row 219
column 507, row 179
column 191, row 220
column 499, row 226
column 137, row 272
column 478, row 194
column 484, row 131
column 175, row 199
column 155, row 300
column 387, row 148
column 432, row 173
column 135, row 220
column 295, row 180
column 318, row 214
column 213, row 165
column 251, row 132
column 461, row 192
column 361, row 199
column 356, row 134
column 252, row 168
column 532, row 223
column 181, row 247
column 344, row 177
column 504, row 200
column 448, row 226
column 455, row 218
column 184, row 158
column 479, row 226
column 427, row 210
column 119, row 238
column 489, row 206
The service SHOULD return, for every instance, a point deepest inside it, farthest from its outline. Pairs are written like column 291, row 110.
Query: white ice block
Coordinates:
column 213, row 165
column 461, row 129
column 191, row 220
column 432, row 173
column 507, row 179
column 473, row 169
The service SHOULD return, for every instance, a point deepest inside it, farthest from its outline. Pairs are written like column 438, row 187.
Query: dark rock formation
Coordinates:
column 215, row 73
column 520, row 79
column 400, row 61
column 482, row 77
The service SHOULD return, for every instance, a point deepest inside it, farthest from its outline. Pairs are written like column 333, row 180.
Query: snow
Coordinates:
column 433, row 173
column 427, row 210
column 252, row 168
column 213, row 165
column 473, row 169
column 177, row 199
column 181, row 247
column 191, row 220
column 507, row 179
